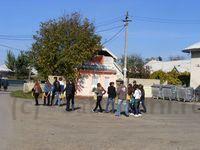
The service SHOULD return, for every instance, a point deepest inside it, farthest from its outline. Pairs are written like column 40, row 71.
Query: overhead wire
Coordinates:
column 16, row 36
column 109, row 29
column 29, row 37
column 13, row 48
column 114, row 36
column 165, row 20
column 18, row 39
column 109, row 22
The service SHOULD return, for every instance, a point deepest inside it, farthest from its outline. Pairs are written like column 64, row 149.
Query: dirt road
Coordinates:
column 167, row 125
column 6, row 128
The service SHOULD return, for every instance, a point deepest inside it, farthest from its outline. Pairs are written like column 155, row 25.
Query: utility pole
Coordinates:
column 126, row 21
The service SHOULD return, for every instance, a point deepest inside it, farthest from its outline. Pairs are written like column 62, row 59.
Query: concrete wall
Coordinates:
column 195, row 70
column 27, row 87
column 147, row 83
column 88, row 82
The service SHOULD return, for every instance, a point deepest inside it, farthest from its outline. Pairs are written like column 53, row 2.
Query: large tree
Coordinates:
column 62, row 45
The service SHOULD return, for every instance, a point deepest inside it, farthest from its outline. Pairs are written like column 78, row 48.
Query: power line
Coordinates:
column 6, row 46
column 165, row 22
column 108, row 22
column 109, row 29
column 114, row 36
column 168, row 21
column 16, row 36
column 18, row 39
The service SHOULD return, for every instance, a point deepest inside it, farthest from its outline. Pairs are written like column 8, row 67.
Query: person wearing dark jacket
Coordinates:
column 56, row 90
column 142, row 98
column 5, row 84
column 0, row 83
column 111, row 97
column 70, row 92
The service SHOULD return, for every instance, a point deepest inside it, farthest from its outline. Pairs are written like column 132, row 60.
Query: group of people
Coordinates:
column 4, row 83
column 130, row 97
column 55, row 93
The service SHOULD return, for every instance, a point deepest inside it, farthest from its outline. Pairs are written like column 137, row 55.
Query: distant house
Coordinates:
column 4, row 71
column 167, row 66
column 101, row 69
column 194, row 50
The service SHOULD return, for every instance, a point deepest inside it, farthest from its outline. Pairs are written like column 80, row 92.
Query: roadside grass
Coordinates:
column 21, row 94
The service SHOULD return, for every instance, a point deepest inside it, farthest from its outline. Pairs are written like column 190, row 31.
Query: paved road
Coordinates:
column 6, row 128
column 167, row 125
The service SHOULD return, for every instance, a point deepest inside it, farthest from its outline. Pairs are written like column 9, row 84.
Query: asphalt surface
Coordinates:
column 167, row 125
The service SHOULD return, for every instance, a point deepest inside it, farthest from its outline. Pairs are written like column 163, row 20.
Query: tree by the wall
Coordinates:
column 173, row 77
column 135, row 67
column 161, row 75
column 22, row 65
column 62, row 45
column 10, row 60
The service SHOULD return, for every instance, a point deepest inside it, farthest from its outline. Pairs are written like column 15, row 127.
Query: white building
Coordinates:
column 167, row 66
column 194, row 50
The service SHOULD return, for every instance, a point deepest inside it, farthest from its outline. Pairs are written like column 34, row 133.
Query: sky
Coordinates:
column 158, row 28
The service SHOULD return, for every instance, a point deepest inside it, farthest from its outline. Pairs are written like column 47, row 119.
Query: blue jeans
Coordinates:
column 136, row 107
column 112, row 101
column 143, row 105
column 126, row 107
column 58, row 101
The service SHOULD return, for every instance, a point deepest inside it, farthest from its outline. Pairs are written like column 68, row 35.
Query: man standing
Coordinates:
column 56, row 90
column 70, row 91
column 61, row 90
column 5, row 84
column 111, row 97
column 0, row 83
column 122, row 93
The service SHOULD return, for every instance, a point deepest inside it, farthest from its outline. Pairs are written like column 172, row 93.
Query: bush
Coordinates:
column 173, row 77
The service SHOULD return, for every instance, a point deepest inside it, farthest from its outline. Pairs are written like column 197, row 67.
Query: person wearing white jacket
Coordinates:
column 137, row 95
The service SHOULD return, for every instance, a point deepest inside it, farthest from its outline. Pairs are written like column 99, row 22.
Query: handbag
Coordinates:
column 95, row 96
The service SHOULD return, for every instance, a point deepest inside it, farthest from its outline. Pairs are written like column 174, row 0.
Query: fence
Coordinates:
column 14, row 85
column 147, row 83
column 171, row 92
